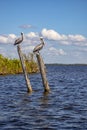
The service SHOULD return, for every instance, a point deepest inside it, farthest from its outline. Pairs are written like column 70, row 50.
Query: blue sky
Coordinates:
column 62, row 23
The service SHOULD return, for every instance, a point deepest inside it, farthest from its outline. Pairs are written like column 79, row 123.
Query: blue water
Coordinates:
column 64, row 108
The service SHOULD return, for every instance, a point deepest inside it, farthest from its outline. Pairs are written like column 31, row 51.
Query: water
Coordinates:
column 65, row 107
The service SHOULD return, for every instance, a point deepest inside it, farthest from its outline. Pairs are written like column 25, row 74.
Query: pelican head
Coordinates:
column 21, row 33
column 42, row 41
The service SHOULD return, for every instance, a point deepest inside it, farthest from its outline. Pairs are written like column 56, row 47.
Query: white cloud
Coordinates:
column 57, row 51
column 26, row 26
column 29, row 38
column 67, row 45
column 28, row 48
column 51, row 34
column 3, row 39
column 7, row 39
column 31, row 35
column 12, row 36
column 78, row 40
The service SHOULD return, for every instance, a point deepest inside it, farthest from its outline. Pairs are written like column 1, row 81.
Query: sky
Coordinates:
column 62, row 24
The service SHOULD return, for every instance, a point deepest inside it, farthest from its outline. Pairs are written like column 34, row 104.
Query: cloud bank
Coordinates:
column 62, row 39
column 77, row 39
column 57, row 51
column 56, row 44
column 6, row 39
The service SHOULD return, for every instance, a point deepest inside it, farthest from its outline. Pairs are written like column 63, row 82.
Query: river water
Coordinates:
column 64, row 108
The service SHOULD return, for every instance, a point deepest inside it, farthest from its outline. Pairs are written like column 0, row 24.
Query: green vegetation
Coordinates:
column 13, row 66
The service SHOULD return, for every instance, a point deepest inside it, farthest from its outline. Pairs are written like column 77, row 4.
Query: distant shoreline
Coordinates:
column 13, row 66
column 68, row 64
column 34, row 72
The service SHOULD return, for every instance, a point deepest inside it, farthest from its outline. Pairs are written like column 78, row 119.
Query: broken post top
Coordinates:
column 19, row 40
column 39, row 46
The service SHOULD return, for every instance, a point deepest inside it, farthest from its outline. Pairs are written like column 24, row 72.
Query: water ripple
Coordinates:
column 65, row 107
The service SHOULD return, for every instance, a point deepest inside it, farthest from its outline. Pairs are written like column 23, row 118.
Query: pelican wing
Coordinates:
column 38, row 47
column 17, row 41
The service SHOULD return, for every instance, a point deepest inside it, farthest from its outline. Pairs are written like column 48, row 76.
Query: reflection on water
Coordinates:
column 65, row 107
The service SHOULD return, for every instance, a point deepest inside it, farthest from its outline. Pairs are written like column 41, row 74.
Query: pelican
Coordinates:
column 39, row 46
column 19, row 40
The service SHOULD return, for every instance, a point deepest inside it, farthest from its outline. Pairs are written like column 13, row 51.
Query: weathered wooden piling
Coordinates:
column 29, row 88
column 43, row 72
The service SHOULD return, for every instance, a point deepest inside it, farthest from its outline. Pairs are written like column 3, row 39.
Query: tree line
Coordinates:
column 13, row 66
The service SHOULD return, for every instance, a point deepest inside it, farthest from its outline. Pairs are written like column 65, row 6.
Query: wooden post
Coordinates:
column 29, row 88
column 43, row 72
